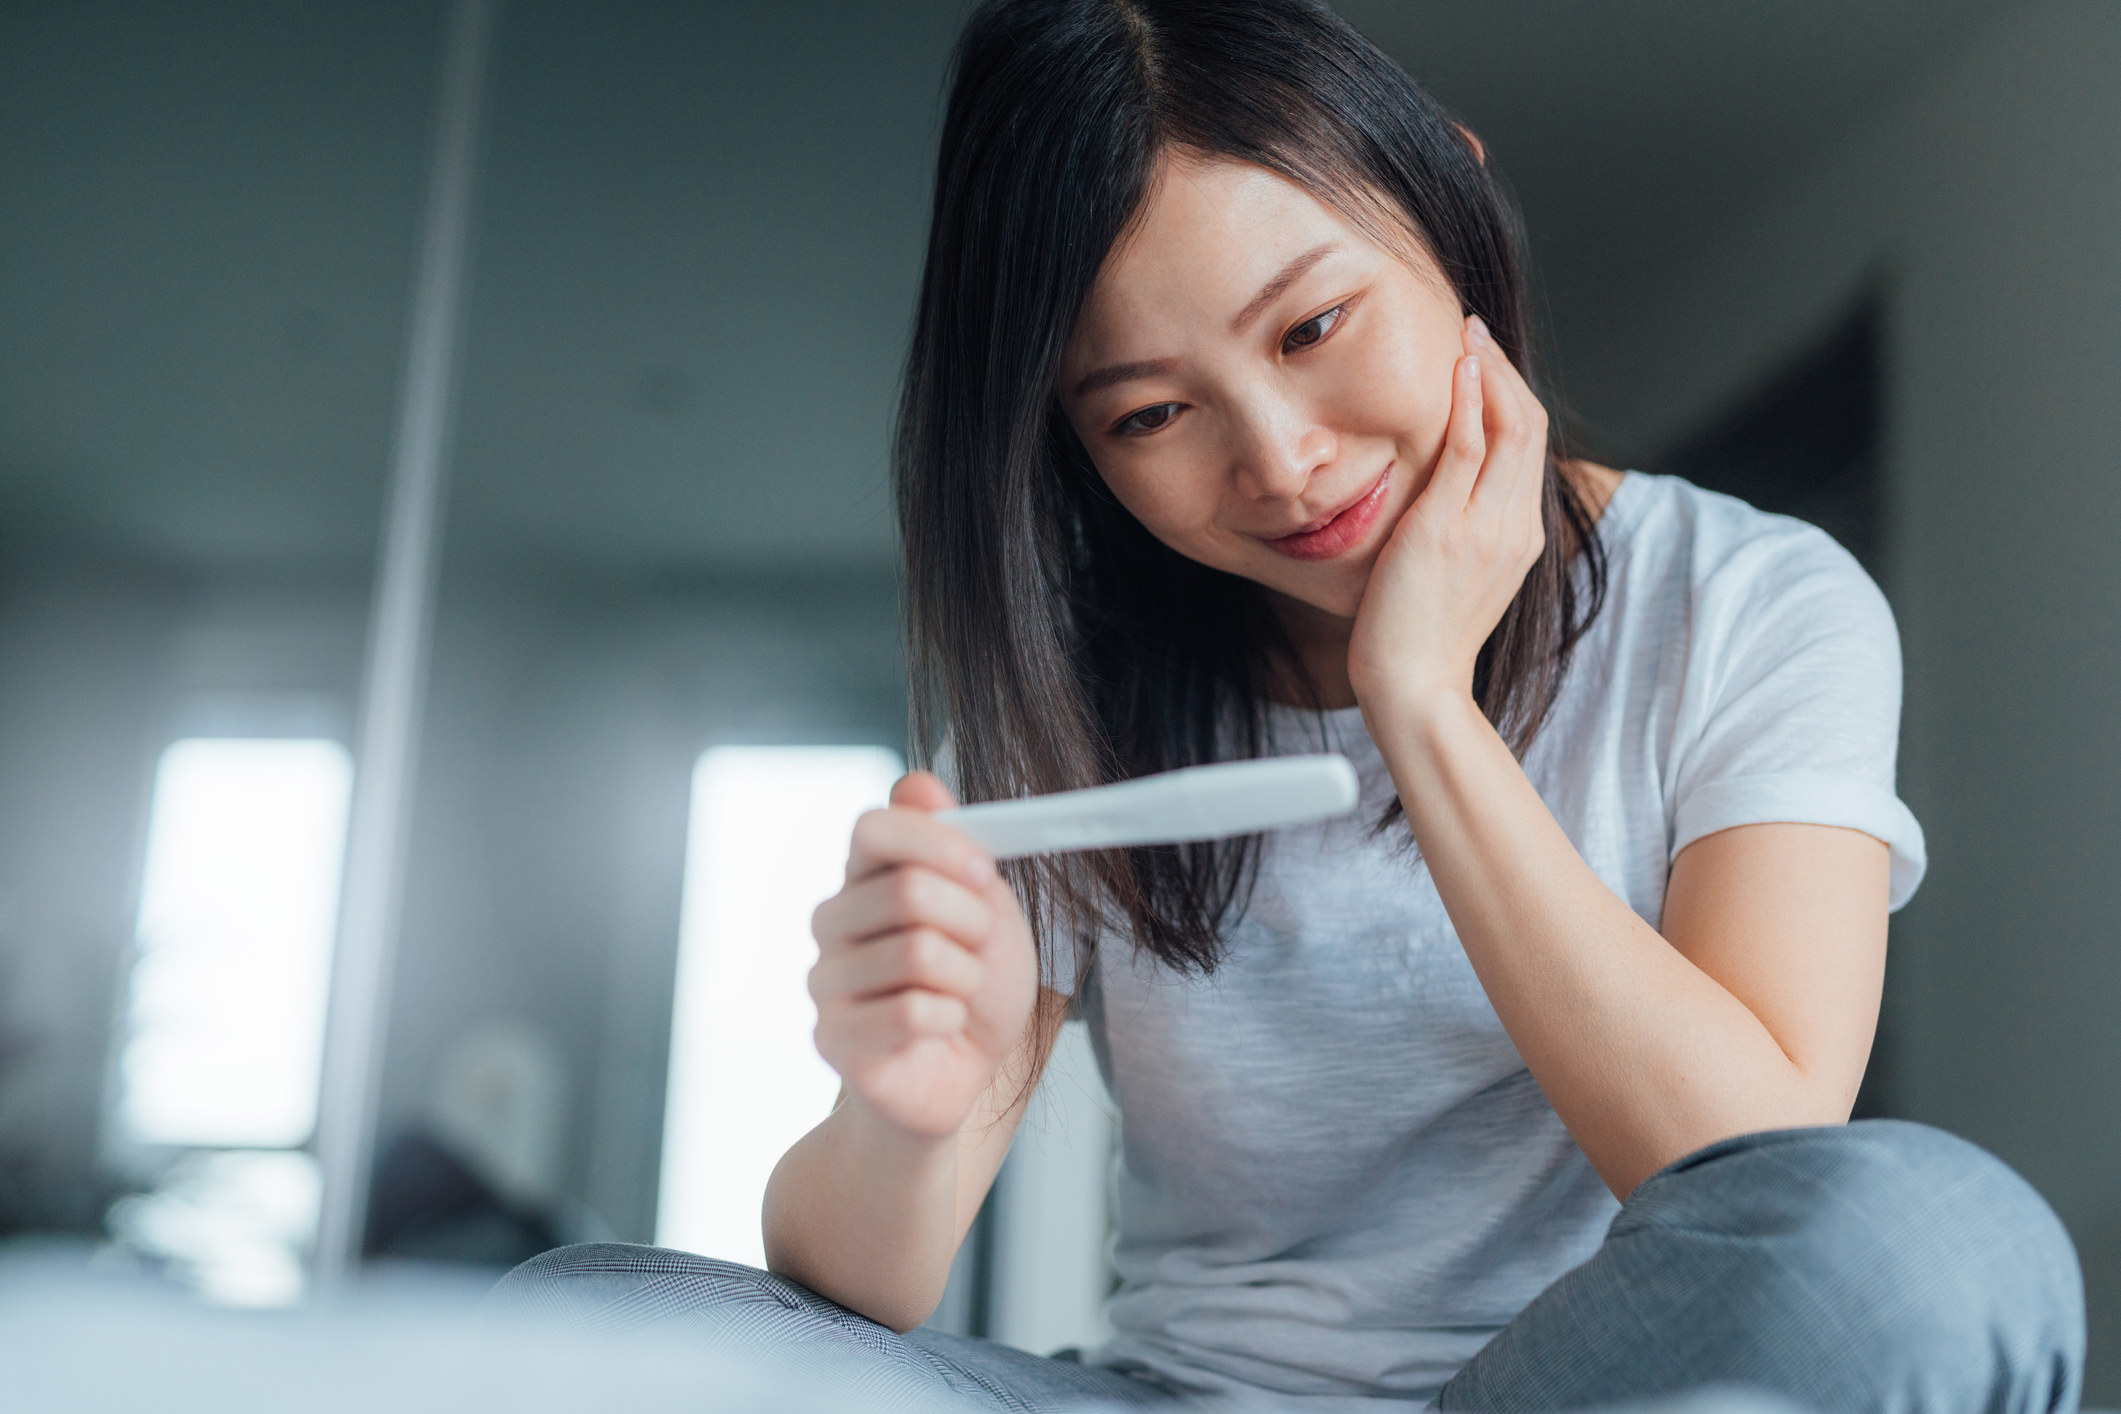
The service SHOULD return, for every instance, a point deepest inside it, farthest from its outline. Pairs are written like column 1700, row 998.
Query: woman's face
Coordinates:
column 1264, row 386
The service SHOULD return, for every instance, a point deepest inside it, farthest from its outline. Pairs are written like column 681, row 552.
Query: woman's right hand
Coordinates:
column 926, row 974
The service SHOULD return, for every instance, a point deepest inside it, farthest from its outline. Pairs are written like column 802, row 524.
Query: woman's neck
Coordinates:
column 1320, row 642
column 1320, row 639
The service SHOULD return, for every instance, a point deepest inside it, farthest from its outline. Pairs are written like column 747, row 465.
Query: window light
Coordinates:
column 767, row 844
column 224, row 1029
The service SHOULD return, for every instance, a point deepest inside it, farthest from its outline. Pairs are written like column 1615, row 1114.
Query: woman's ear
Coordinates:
column 1480, row 150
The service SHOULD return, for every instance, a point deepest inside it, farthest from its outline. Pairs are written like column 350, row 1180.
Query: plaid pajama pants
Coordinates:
column 1881, row 1266
column 610, row 1288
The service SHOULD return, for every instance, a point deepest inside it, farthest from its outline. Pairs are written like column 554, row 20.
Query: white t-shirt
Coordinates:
column 1337, row 1180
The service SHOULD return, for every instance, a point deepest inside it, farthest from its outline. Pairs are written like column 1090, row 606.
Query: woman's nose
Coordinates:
column 1279, row 448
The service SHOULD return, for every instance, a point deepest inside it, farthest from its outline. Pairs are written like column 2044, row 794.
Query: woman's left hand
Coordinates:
column 1459, row 553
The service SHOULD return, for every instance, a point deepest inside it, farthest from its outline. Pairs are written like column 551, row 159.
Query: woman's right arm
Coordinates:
column 929, row 1008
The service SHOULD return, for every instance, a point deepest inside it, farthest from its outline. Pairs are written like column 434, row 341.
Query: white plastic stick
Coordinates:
column 1197, row 803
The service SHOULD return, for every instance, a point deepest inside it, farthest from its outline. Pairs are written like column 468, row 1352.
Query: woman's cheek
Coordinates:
column 1162, row 499
column 1401, row 390
column 1424, row 419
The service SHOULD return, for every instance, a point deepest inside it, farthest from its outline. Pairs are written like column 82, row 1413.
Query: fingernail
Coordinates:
column 1480, row 331
column 983, row 870
column 1473, row 367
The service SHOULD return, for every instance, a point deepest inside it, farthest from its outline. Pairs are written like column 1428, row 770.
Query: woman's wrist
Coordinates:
column 1405, row 717
column 882, row 1140
column 1437, row 746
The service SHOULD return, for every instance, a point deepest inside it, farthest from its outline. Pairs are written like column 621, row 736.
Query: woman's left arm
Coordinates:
column 1755, row 1007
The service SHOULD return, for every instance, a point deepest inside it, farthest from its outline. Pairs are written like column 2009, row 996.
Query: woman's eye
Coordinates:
column 1149, row 419
column 1313, row 329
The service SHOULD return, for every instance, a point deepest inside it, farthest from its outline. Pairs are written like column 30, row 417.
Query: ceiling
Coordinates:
column 699, row 232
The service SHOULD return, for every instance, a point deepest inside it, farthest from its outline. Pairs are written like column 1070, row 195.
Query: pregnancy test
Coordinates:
column 1195, row 803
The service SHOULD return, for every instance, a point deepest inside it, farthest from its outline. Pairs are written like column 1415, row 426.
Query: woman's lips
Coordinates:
column 1346, row 527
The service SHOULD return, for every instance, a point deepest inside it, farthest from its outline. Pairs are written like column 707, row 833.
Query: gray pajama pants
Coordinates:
column 1881, row 1266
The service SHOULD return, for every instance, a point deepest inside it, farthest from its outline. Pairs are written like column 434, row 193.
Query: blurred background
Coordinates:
column 1860, row 262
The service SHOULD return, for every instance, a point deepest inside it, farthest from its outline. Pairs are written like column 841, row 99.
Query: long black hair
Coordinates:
column 1052, row 638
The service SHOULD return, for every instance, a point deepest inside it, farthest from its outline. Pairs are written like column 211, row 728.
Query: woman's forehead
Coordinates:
column 1211, row 234
column 1192, row 195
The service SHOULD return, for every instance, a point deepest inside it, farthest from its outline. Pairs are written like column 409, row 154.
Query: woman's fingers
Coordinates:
column 1515, row 426
column 881, row 1026
column 918, row 957
column 907, row 896
column 1465, row 443
column 905, row 834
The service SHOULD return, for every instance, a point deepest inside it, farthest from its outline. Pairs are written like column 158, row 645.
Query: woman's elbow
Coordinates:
column 894, row 1302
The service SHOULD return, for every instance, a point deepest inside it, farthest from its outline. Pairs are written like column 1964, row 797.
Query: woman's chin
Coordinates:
column 1338, row 586
column 1322, row 596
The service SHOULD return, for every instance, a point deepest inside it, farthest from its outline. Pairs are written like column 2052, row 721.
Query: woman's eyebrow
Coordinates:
column 1288, row 275
column 1152, row 367
column 1122, row 373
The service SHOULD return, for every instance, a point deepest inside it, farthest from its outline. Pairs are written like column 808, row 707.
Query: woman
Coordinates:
column 1525, row 1089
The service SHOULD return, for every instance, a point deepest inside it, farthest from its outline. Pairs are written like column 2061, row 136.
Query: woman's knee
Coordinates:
column 775, row 1328
column 1951, row 1272
column 621, row 1286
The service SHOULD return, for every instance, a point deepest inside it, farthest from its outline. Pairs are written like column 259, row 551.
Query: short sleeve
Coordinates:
column 1791, row 707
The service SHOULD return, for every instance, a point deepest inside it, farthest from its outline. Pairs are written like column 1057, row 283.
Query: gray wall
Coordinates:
column 1988, row 201
column 101, row 666
column 206, row 221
